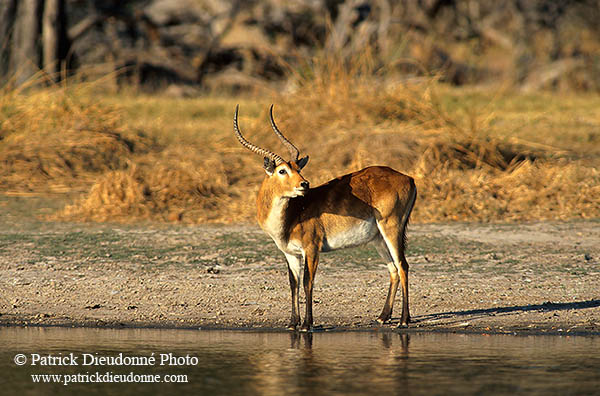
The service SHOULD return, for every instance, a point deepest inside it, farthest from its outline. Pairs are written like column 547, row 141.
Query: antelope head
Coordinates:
column 282, row 176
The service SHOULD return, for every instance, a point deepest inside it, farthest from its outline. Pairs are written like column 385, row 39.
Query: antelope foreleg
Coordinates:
column 310, row 270
column 294, row 275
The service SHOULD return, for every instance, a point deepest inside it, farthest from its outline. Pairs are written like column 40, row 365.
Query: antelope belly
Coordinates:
column 359, row 233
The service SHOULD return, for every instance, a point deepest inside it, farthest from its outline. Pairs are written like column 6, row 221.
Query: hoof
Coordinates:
column 294, row 323
column 306, row 328
column 404, row 323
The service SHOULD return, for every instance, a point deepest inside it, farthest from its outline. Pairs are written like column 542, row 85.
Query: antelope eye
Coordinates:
column 282, row 171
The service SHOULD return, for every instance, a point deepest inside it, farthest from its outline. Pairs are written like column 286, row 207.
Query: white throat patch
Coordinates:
column 274, row 222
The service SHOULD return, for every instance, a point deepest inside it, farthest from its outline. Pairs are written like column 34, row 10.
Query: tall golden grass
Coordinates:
column 55, row 140
column 139, row 158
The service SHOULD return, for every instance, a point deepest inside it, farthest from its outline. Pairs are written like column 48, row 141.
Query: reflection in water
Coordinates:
column 346, row 365
column 253, row 363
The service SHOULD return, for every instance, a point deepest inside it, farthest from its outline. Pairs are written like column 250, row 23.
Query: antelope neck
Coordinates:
column 273, row 219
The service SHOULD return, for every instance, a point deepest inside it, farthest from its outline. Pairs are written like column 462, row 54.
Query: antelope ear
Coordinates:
column 302, row 162
column 269, row 166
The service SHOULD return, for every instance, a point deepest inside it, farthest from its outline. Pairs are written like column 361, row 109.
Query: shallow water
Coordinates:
column 259, row 363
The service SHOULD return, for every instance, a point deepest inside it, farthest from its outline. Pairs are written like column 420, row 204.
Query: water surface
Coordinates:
column 253, row 363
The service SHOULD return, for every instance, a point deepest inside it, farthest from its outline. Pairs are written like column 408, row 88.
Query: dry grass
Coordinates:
column 59, row 140
column 475, row 156
column 168, row 186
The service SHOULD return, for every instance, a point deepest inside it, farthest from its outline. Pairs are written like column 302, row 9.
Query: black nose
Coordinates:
column 304, row 184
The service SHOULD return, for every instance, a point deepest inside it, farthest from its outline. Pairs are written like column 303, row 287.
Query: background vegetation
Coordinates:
column 494, row 110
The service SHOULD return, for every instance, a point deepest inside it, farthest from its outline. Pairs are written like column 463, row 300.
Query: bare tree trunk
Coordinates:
column 25, row 48
column 53, row 37
column 7, row 16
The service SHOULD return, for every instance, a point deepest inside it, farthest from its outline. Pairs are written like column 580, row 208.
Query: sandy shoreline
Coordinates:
column 534, row 278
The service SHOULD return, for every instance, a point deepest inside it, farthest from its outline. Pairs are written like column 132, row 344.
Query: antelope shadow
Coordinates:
column 544, row 307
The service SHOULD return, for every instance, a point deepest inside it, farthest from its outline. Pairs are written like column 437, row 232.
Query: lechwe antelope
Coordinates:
column 371, row 205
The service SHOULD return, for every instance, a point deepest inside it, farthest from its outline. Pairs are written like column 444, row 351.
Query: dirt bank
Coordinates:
column 523, row 278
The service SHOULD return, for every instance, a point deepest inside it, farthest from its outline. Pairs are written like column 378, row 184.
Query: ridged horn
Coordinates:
column 255, row 149
column 294, row 152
